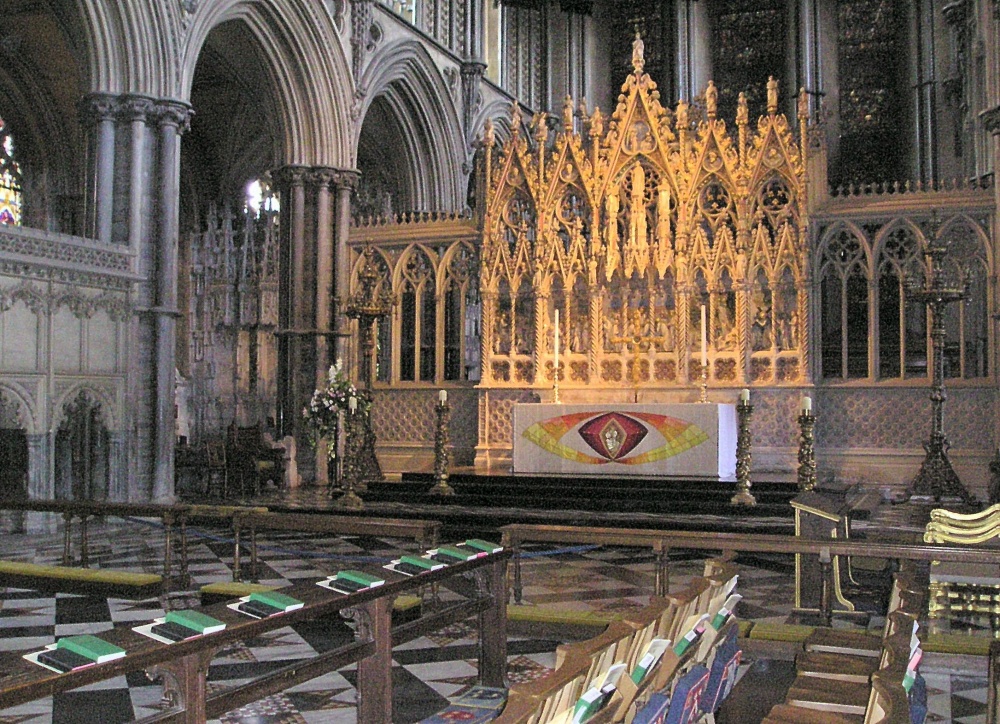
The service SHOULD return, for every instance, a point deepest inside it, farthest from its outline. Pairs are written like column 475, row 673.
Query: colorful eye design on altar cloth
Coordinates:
column 615, row 436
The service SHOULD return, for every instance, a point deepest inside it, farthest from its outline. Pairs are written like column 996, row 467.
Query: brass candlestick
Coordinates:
column 807, row 456
column 441, row 487
column 354, row 436
column 703, row 397
column 743, row 445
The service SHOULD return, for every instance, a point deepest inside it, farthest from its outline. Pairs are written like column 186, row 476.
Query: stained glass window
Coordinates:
column 749, row 44
column 10, row 180
column 871, row 57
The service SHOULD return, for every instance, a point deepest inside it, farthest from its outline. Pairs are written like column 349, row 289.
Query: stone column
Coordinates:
column 320, row 180
column 40, row 484
column 289, row 183
column 694, row 58
column 134, row 110
column 98, row 113
column 173, row 119
column 344, row 182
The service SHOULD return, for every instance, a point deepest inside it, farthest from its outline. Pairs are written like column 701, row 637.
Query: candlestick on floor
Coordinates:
column 807, row 457
column 743, row 455
column 441, row 486
column 354, row 436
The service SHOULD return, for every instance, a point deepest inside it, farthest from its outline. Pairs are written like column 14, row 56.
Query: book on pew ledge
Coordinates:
column 593, row 699
column 649, row 659
column 455, row 554
column 195, row 620
column 274, row 599
column 482, row 545
column 911, row 669
column 720, row 618
column 96, row 649
column 257, row 609
column 350, row 581
column 694, row 632
column 62, row 660
column 414, row 565
column 172, row 632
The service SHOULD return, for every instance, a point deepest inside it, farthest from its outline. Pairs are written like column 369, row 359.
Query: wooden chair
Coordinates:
column 251, row 462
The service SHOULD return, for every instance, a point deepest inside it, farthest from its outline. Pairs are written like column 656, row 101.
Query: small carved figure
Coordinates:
column 742, row 112
column 638, row 48
column 501, row 333
column 611, row 206
column 803, row 104
column 568, row 114
column 772, row 95
column 597, row 123
column 711, row 100
column 663, row 212
column 682, row 115
column 637, row 209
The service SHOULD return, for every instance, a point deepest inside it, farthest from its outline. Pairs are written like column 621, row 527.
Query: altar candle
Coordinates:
column 555, row 345
column 704, row 338
column 442, row 397
column 352, row 404
column 807, row 405
column 744, row 395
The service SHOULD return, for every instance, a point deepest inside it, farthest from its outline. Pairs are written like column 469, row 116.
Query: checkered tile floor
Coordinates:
column 426, row 671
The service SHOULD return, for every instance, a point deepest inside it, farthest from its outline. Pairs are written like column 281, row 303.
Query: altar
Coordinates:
column 681, row 440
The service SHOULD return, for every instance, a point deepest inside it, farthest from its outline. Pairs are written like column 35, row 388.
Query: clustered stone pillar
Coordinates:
column 172, row 119
column 345, row 182
column 315, row 223
column 132, row 199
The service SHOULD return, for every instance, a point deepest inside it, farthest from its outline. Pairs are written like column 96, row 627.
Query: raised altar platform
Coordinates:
column 684, row 440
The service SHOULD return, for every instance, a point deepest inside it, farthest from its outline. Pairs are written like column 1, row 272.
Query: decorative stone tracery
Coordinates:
column 629, row 233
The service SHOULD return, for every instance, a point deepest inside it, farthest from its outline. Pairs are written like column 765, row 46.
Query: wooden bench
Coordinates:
column 853, row 677
column 86, row 581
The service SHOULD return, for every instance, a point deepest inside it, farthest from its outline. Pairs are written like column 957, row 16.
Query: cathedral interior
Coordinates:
column 604, row 202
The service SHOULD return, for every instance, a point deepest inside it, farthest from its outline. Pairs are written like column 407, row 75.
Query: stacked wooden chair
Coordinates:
column 957, row 588
column 849, row 676
column 676, row 658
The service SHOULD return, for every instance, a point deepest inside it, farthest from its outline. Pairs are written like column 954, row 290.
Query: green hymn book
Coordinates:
column 366, row 579
column 195, row 620
column 96, row 649
column 277, row 600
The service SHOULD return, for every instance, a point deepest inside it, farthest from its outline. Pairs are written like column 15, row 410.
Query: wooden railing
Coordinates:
column 662, row 541
column 176, row 518
column 183, row 666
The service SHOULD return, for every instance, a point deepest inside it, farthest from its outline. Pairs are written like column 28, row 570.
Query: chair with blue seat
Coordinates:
column 682, row 705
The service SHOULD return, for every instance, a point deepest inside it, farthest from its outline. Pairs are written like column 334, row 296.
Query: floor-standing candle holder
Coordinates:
column 441, row 487
column 354, row 427
column 743, row 447
column 807, row 455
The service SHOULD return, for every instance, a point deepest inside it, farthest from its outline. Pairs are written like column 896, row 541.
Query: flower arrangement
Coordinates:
column 322, row 414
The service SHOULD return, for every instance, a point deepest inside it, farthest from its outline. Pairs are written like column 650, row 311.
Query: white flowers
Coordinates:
column 334, row 371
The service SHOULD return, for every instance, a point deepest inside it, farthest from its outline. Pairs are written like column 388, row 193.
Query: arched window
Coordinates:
column 902, row 331
column 844, row 303
column 10, row 179
column 417, row 323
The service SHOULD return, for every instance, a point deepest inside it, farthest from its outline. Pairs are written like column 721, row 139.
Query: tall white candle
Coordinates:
column 704, row 338
column 352, row 404
column 744, row 395
column 442, row 396
column 807, row 404
column 555, row 346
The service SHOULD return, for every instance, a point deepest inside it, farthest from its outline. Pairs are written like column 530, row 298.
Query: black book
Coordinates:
column 444, row 558
column 63, row 659
column 259, row 609
column 173, row 631
column 345, row 585
column 410, row 569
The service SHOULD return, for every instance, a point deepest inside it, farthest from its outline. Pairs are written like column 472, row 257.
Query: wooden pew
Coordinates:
column 85, row 581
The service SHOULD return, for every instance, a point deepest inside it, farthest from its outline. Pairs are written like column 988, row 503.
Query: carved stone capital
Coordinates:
column 135, row 108
column 287, row 176
column 173, row 113
column 320, row 176
column 346, row 178
column 991, row 120
column 97, row 107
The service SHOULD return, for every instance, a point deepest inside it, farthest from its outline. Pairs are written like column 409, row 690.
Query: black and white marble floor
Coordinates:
column 426, row 671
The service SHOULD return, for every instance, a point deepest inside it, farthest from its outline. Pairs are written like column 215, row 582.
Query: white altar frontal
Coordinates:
column 680, row 440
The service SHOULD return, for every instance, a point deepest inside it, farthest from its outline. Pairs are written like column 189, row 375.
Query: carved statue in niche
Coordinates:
column 578, row 340
column 663, row 212
column 637, row 209
column 787, row 324
column 611, row 205
column 501, row 332
column 726, row 332
column 760, row 332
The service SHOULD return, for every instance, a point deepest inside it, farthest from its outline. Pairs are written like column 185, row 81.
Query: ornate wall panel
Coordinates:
column 624, row 232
